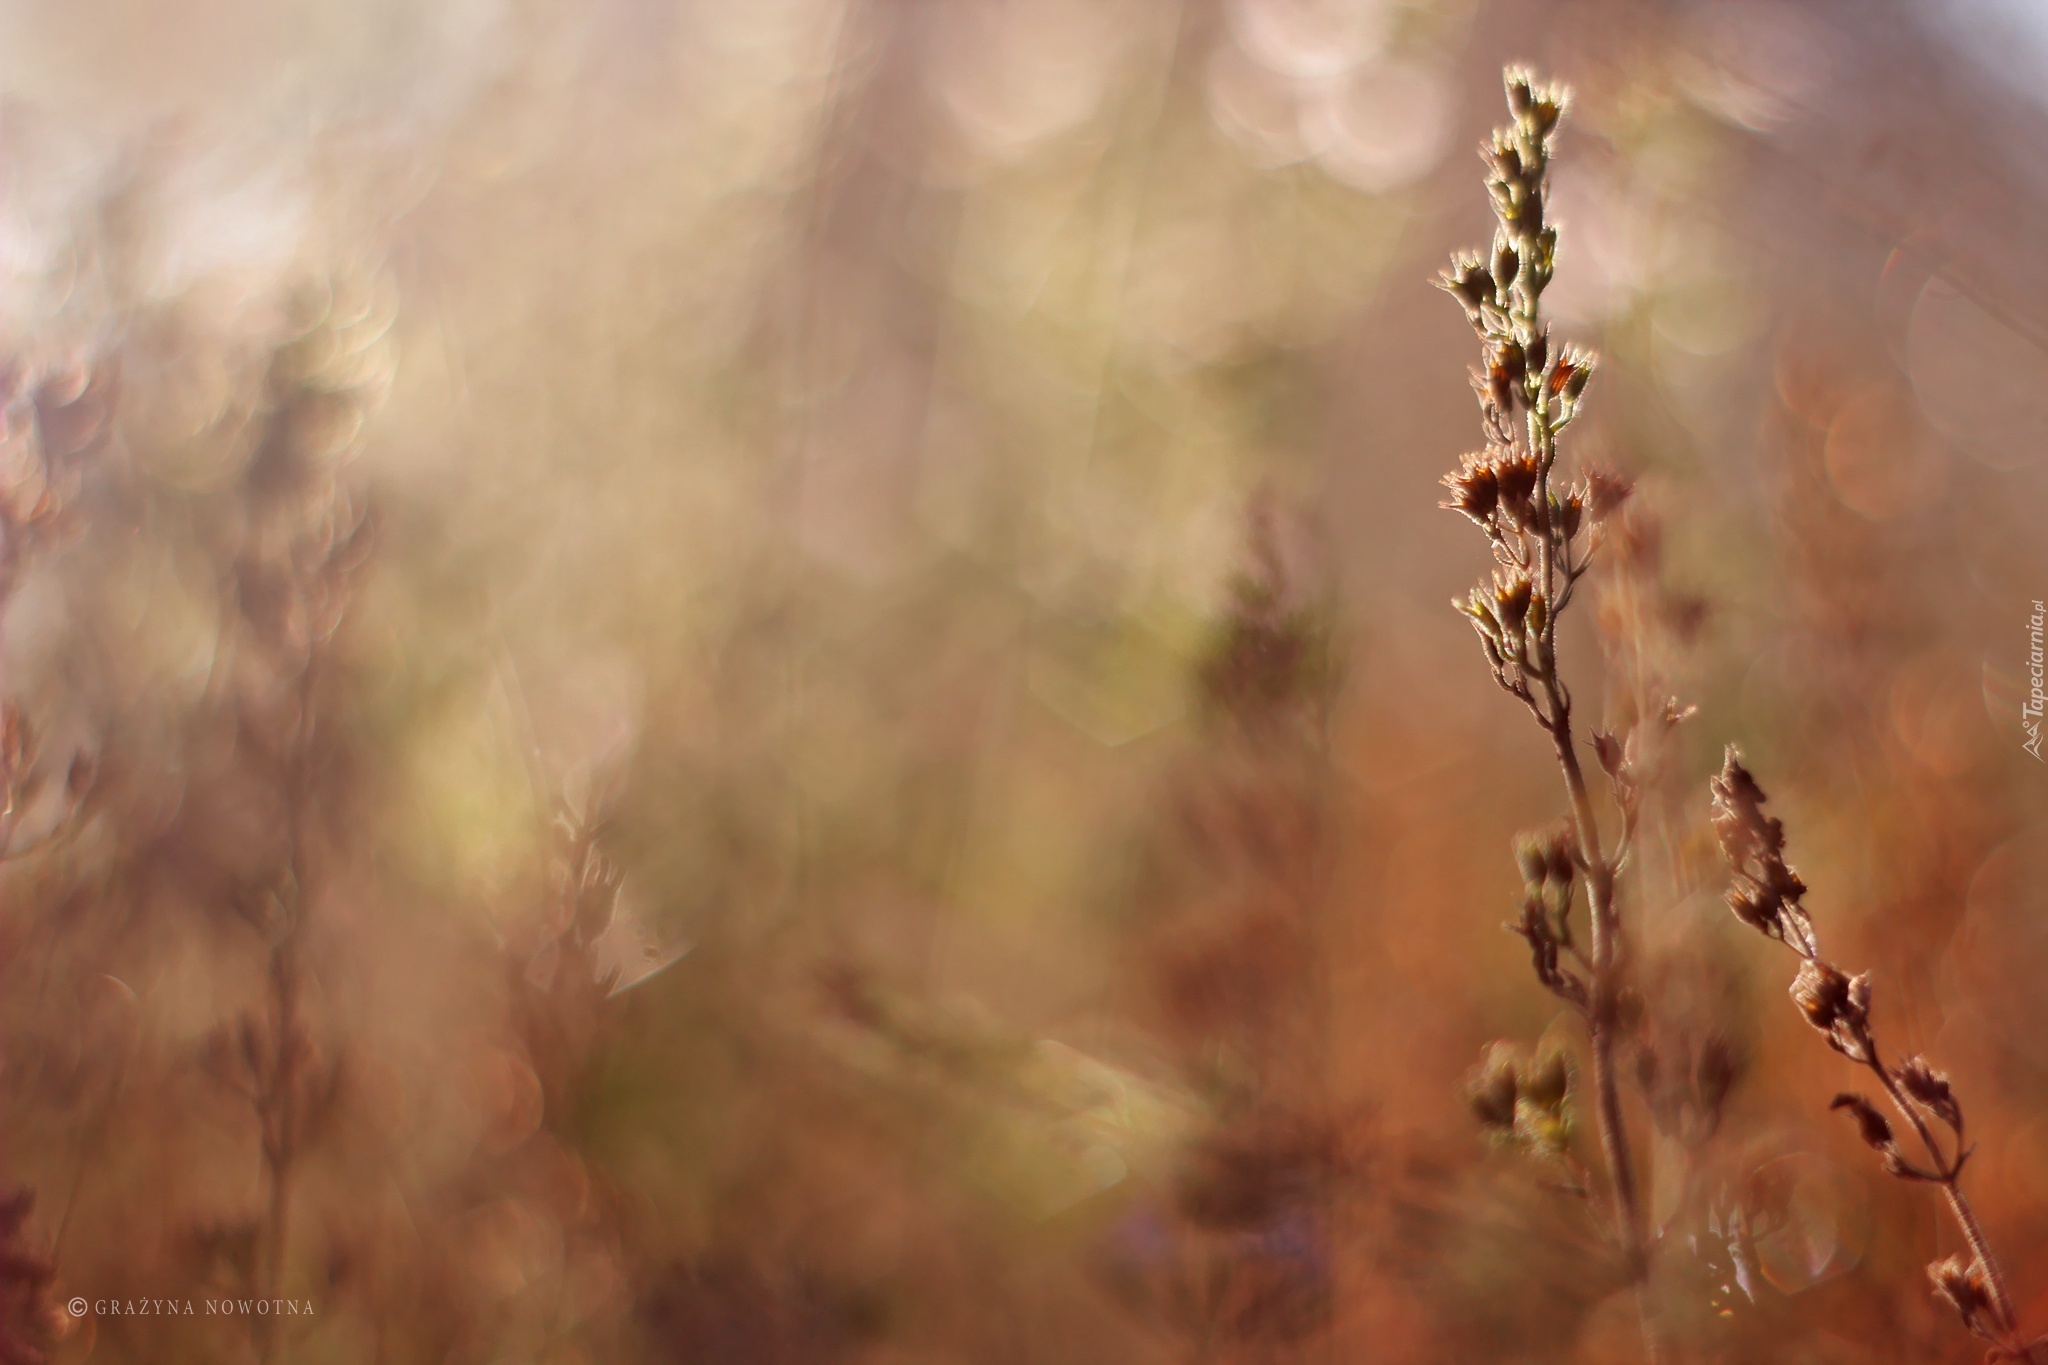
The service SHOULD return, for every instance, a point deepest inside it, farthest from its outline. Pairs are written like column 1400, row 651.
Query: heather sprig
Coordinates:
column 1542, row 531
column 1768, row 895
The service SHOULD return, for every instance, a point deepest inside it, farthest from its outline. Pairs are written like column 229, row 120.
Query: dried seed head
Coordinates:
column 1758, row 908
column 1963, row 1284
column 1507, row 264
column 1480, row 610
column 1468, row 281
column 1783, row 882
column 1572, row 372
column 1929, row 1088
column 1515, row 476
column 1537, row 107
column 1870, row 1124
column 1511, row 599
column 1521, row 84
column 1503, row 158
column 1607, row 749
column 1744, row 830
column 1565, row 514
column 1497, row 387
column 1826, row 996
column 1475, row 490
column 1507, row 355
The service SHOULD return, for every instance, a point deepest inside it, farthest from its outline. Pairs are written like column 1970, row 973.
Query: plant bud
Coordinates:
column 1561, row 870
column 1468, row 281
column 1546, row 1080
column 1506, row 265
column 1567, row 515
column 1508, row 355
column 1511, row 599
column 1491, row 1090
column 1521, row 86
column 1870, row 1124
column 1500, row 387
column 1478, row 607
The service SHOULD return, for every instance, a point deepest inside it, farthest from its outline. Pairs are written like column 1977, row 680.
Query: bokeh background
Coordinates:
column 771, row 682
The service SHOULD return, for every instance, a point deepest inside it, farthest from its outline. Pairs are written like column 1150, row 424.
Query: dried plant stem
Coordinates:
column 1950, row 1179
column 1767, row 895
column 1533, row 525
column 1600, row 1015
column 1605, row 935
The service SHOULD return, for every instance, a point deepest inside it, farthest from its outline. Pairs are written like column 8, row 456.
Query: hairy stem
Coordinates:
column 1958, row 1202
column 1600, row 1017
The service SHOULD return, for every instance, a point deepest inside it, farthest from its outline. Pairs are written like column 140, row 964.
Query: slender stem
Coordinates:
column 1586, row 832
column 1600, row 1018
column 1980, row 1247
column 1958, row 1202
column 1522, row 643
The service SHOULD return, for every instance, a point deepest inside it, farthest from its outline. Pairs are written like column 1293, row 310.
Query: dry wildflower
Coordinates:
column 1767, row 896
column 1541, row 533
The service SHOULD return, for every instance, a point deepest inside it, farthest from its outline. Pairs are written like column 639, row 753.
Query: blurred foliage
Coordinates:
column 781, row 669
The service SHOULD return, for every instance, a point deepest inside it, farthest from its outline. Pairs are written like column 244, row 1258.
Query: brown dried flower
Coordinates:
column 1930, row 1089
column 1870, row 1125
column 1475, row 490
column 1963, row 1284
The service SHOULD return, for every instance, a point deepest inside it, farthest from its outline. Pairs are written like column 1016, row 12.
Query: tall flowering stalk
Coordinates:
column 1541, row 529
column 1766, row 895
